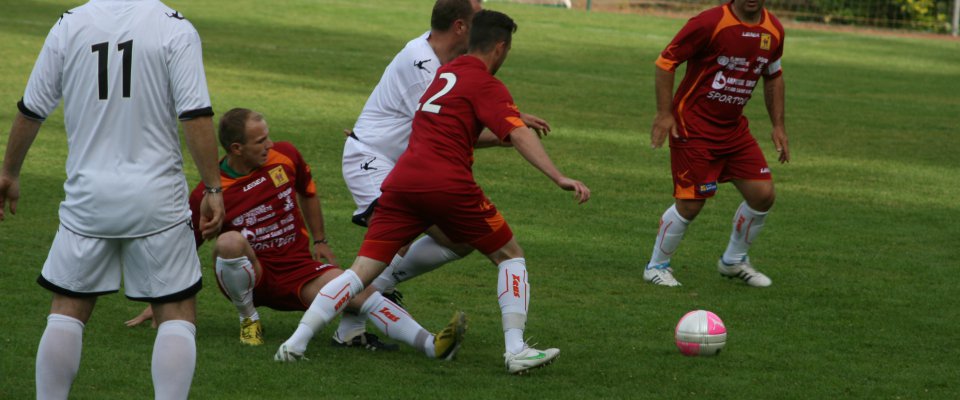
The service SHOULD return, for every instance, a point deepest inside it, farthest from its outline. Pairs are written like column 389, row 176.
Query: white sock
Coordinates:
column 425, row 255
column 513, row 293
column 350, row 325
column 747, row 224
column 386, row 281
column 397, row 324
column 174, row 359
column 672, row 228
column 237, row 278
column 58, row 357
column 330, row 301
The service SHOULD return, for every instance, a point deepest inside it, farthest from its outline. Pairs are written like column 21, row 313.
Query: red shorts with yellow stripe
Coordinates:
column 464, row 217
column 281, row 282
column 698, row 169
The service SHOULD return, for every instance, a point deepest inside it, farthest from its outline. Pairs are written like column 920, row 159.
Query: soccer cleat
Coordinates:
column 661, row 275
column 364, row 340
column 284, row 354
column 448, row 341
column 251, row 332
column 529, row 359
column 743, row 270
column 395, row 296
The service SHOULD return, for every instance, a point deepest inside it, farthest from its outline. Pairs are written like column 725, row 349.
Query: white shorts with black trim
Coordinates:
column 160, row 268
column 364, row 170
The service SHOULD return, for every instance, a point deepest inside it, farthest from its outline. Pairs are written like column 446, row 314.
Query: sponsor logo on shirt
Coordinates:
column 719, row 81
column 706, row 188
column 279, row 176
column 254, row 184
column 765, row 40
column 765, row 170
column 750, row 34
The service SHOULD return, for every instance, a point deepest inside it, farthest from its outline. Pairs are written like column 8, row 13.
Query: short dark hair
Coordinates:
column 233, row 126
column 489, row 28
column 445, row 12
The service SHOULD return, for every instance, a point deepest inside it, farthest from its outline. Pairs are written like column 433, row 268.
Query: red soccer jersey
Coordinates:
column 462, row 99
column 262, row 206
column 725, row 59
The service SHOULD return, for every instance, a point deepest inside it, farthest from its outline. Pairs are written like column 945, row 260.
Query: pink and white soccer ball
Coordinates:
column 700, row 333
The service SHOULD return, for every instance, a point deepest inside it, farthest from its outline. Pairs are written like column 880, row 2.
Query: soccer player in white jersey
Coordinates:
column 125, row 71
column 383, row 129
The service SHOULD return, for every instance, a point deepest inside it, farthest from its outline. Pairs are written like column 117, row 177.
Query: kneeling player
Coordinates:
column 264, row 256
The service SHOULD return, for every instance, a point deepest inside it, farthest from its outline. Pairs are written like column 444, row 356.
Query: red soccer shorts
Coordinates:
column 280, row 283
column 698, row 170
column 464, row 217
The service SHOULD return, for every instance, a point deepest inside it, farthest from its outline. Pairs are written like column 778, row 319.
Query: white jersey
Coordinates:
column 126, row 69
column 384, row 124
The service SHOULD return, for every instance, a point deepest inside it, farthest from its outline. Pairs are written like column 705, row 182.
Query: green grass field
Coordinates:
column 862, row 244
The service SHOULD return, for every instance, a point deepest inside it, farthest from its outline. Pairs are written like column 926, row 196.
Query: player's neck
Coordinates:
column 488, row 58
column 233, row 166
column 747, row 17
column 444, row 45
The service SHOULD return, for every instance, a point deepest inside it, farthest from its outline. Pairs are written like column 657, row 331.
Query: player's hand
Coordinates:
column 211, row 215
column 580, row 191
column 9, row 191
column 146, row 315
column 780, row 141
column 537, row 124
column 322, row 252
column 347, row 132
column 663, row 124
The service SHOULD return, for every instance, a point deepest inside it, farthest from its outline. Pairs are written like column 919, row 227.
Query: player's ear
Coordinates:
column 235, row 148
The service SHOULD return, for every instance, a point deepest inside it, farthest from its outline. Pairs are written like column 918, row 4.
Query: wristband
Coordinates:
column 212, row 190
column 320, row 241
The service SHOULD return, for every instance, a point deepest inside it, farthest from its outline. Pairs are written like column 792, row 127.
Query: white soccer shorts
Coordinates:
column 160, row 268
column 364, row 171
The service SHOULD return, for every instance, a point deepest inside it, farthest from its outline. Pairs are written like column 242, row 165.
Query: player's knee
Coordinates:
column 763, row 201
column 231, row 245
column 689, row 209
column 509, row 251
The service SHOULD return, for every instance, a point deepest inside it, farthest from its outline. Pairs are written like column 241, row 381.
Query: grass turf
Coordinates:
column 861, row 245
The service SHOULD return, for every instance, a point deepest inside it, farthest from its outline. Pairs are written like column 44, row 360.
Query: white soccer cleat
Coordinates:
column 661, row 275
column 285, row 354
column 745, row 271
column 528, row 359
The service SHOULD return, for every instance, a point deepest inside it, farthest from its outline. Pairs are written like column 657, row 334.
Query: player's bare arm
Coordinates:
column 202, row 143
column 313, row 216
column 663, row 123
column 22, row 134
column 528, row 144
column 539, row 125
column 774, row 95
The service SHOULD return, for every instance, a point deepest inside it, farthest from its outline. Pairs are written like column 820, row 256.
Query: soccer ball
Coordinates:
column 700, row 333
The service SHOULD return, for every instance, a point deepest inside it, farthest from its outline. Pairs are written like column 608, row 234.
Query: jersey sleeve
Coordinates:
column 45, row 86
column 693, row 37
column 495, row 109
column 774, row 69
column 187, row 78
column 303, row 182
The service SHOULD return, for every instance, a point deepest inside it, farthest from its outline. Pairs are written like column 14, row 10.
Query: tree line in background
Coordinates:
column 920, row 15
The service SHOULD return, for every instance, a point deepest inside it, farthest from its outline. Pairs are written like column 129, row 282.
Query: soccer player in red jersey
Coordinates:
column 263, row 257
column 728, row 49
column 433, row 184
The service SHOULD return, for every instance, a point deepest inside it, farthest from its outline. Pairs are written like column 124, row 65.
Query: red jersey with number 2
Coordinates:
column 462, row 100
column 725, row 58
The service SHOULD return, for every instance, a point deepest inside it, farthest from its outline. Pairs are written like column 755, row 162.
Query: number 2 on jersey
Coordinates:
column 101, row 49
column 433, row 108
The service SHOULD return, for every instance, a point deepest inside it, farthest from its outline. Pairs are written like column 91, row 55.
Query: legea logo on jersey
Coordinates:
column 706, row 188
column 254, row 184
column 279, row 176
column 719, row 81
